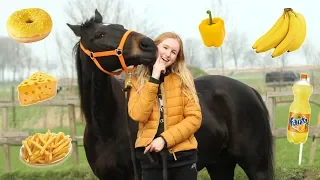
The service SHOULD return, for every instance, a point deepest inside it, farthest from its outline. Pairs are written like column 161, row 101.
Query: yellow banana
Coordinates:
column 301, row 36
column 273, row 40
column 289, row 39
column 270, row 32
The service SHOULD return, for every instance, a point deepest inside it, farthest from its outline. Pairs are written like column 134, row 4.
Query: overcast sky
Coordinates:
column 253, row 17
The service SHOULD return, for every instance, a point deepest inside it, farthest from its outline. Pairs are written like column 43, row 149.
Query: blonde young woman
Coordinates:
column 165, row 103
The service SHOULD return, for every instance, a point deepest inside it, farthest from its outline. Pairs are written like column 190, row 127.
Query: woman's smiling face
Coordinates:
column 168, row 50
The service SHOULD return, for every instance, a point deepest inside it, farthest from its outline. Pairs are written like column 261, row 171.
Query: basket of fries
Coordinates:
column 43, row 150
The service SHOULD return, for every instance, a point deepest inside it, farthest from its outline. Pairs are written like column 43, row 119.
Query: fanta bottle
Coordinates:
column 300, row 110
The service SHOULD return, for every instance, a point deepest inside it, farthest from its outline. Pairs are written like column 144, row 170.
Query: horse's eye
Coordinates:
column 100, row 35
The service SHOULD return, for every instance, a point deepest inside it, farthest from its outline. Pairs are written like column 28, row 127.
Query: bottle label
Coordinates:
column 298, row 122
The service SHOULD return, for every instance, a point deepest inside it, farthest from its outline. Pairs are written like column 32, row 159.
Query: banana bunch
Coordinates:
column 286, row 35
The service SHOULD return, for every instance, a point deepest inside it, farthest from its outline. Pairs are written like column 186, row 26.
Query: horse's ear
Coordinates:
column 97, row 16
column 76, row 29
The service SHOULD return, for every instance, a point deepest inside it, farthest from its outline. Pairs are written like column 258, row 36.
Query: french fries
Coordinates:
column 45, row 148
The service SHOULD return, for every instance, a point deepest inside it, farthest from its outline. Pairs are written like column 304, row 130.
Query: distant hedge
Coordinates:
column 84, row 174
column 196, row 71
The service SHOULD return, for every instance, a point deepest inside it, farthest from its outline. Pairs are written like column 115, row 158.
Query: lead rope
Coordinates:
column 127, row 89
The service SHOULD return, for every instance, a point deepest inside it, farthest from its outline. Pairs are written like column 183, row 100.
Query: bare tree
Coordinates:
column 250, row 58
column 15, row 58
column 112, row 12
column 220, row 9
column 27, row 61
column 61, row 54
column 283, row 59
column 309, row 52
column 191, row 48
column 212, row 56
column 266, row 60
column 11, row 57
column 236, row 44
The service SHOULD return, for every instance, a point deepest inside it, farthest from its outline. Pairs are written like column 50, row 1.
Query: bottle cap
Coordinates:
column 303, row 76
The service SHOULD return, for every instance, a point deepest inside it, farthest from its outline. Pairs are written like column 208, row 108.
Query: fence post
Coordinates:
column 6, row 147
column 13, row 99
column 271, row 103
column 314, row 143
column 72, row 125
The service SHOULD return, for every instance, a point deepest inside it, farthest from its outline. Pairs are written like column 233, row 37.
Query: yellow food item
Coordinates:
column 45, row 148
column 286, row 35
column 270, row 32
column 290, row 38
column 29, row 25
column 212, row 31
column 38, row 87
column 301, row 36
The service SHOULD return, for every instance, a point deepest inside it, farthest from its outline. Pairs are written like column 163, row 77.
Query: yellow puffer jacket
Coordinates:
column 182, row 116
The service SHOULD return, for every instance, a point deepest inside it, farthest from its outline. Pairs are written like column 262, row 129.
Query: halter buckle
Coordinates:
column 119, row 52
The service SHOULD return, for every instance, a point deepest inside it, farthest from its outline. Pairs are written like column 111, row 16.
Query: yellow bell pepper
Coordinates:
column 212, row 31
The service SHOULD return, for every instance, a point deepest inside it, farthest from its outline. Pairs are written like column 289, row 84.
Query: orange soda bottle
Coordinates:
column 299, row 111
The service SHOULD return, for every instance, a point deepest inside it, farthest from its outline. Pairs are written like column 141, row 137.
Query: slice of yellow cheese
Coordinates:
column 38, row 87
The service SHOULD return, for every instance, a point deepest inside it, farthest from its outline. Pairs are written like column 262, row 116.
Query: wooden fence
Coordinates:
column 282, row 132
column 15, row 138
column 9, row 138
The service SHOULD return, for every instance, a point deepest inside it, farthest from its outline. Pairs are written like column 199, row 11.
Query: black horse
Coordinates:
column 235, row 127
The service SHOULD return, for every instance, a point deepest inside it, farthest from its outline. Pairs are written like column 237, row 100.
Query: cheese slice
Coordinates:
column 36, row 88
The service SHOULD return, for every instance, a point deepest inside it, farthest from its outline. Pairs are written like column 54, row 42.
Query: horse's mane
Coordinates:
column 89, row 22
column 76, row 52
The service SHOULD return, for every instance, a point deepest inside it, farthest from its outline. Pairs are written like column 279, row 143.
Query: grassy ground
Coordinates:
column 286, row 153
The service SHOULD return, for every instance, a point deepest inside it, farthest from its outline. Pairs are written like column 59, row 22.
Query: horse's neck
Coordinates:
column 107, row 105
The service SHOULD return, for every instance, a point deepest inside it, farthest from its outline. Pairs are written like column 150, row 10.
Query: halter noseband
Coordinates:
column 117, row 52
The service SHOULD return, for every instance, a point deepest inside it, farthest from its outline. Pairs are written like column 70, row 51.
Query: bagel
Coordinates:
column 29, row 25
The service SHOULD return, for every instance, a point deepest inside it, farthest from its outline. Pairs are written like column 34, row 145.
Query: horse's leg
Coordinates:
column 222, row 168
column 254, row 167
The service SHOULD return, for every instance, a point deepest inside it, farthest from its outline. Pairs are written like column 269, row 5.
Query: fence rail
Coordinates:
column 281, row 132
column 8, row 139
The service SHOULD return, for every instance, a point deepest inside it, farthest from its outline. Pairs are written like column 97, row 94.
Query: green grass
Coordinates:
column 196, row 72
column 30, row 113
column 286, row 153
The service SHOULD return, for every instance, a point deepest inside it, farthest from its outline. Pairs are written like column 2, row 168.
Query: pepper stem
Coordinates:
column 210, row 17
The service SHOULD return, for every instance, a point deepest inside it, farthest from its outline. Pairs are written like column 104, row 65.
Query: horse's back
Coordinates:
column 235, row 105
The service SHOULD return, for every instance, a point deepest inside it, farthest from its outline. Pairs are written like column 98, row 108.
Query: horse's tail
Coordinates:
column 268, row 140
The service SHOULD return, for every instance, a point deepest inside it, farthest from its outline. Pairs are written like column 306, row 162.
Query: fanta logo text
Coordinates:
column 296, row 122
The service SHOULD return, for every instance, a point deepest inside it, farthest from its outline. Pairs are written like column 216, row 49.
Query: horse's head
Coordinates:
column 109, row 44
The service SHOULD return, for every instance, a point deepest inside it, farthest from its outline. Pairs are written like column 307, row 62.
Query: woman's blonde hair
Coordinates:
column 178, row 67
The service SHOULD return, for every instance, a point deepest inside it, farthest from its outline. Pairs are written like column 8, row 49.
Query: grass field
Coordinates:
column 286, row 153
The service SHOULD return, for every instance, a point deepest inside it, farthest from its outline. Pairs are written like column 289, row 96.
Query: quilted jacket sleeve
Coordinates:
column 141, row 103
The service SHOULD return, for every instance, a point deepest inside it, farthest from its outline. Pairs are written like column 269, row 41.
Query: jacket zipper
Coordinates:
column 164, row 117
column 157, row 107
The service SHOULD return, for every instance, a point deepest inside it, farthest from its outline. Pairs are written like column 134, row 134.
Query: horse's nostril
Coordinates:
column 147, row 44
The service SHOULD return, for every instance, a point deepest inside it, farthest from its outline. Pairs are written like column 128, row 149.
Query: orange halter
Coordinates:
column 117, row 52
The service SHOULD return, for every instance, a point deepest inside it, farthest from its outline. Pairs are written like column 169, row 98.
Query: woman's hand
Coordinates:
column 156, row 145
column 158, row 67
